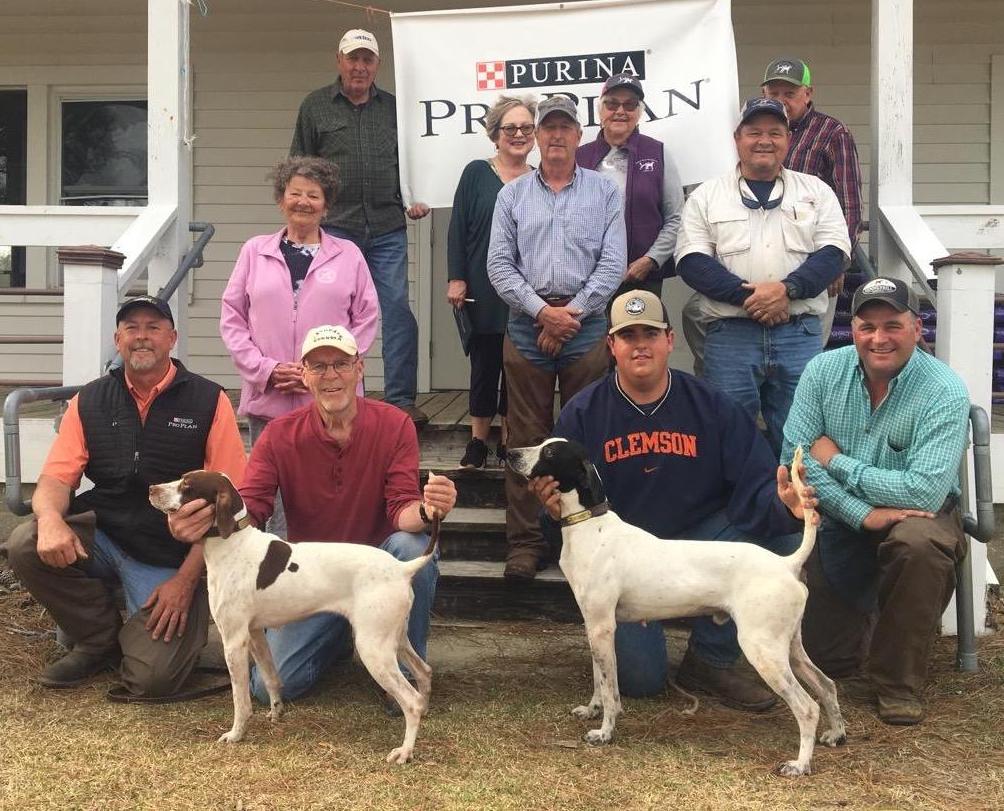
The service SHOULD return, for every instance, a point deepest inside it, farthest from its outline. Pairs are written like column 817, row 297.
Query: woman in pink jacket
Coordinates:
column 283, row 285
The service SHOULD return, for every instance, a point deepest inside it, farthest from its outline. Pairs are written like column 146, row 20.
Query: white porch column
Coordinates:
column 90, row 301
column 965, row 342
column 891, row 173
column 169, row 158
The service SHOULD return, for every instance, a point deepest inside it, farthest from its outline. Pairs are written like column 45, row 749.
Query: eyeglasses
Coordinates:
column 629, row 105
column 340, row 366
column 512, row 129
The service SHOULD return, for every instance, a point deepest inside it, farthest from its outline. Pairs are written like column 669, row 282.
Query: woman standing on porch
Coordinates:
column 282, row 286
column 509, row 125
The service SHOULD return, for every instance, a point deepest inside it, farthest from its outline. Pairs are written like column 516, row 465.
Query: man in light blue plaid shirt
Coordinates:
column 558, row 252
column 886, row 425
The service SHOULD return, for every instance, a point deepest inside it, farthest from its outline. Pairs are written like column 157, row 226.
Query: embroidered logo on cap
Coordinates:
column 634, row 306
column 878, row 286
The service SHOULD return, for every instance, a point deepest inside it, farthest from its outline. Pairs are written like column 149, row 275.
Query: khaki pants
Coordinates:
column 85, row 608
column 531, row 421
column 892, row 643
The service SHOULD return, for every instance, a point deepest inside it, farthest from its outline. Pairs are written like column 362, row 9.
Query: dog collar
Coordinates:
column 241, row 521
column 585, row 515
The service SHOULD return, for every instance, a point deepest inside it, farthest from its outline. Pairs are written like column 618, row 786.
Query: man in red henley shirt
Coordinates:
column 347, row 470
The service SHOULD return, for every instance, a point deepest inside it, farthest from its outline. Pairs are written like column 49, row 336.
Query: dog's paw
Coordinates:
column 230, row 737
column 597, row 737
column 792, row 768
column 276, row 712
column 587, row 711
column 399, row 756
column 833, row 738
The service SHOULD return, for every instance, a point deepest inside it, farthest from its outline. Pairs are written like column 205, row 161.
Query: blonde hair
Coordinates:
column 502, row 105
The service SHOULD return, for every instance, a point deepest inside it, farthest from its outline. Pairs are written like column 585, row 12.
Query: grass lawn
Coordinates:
column 498, row 736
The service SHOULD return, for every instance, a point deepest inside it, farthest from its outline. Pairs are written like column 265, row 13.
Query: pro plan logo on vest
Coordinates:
column 183, row 423
column 646, row 165
column 556, row 71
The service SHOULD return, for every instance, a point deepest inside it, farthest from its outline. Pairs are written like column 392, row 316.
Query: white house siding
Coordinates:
column 254, row 60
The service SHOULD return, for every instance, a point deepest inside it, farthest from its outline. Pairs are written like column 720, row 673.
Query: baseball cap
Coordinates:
column 894, row 292
column 761, row 104
column 793, row 71
column 152, row 302
column 557, row 104
column 355, row 39
column 328, row 335
column 626, row 80
column 637, row 307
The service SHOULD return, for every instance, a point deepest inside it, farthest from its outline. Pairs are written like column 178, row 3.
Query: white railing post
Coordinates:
column 169, row 151
column 90, row 301
column 965, row 342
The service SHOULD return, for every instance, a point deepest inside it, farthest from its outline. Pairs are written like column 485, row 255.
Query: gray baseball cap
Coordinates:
column 557, row 104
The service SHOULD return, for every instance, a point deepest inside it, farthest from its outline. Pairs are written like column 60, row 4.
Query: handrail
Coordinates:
column 982, row 525
column 192, row 259
column 12, row 439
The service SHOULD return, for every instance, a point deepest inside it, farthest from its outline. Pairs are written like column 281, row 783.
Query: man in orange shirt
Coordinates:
column 145, row 423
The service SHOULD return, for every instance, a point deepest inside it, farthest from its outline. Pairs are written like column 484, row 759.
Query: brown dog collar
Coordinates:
column 585, row 515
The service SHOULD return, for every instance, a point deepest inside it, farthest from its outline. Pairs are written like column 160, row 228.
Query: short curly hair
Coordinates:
column 323, row 172
column 502, row 105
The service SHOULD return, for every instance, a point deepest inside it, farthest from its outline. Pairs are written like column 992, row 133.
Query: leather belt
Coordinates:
column 557, row 301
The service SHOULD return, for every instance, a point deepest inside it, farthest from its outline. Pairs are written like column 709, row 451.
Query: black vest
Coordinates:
column 127, row 456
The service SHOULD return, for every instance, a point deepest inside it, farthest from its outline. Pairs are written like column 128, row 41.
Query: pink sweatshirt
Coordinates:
column 262, row 325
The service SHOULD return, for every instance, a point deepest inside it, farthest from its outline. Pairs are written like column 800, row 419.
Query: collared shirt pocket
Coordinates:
column 730, row 229
column 798, row 226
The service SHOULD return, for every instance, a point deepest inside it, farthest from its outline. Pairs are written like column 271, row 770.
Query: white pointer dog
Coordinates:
column 619, row 572
column 258, row 581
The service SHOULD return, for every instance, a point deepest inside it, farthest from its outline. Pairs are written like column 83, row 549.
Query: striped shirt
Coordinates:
column 905, row 453
column 566, row 245
column 822, row 146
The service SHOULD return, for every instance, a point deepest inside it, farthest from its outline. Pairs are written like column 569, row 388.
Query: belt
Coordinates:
column 557, row 301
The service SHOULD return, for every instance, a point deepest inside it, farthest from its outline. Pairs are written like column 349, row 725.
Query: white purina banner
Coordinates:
column 451, row 66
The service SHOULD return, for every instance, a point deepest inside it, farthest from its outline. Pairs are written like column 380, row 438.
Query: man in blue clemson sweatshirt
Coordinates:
column 679, row 459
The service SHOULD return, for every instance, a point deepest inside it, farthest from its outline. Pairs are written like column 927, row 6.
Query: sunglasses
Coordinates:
column 512, row 129
column 630, row 105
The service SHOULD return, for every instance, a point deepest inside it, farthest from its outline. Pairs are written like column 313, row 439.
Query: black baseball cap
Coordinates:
column 626, row 80
column 761, row 104
column 152, row 302
column 894, row 292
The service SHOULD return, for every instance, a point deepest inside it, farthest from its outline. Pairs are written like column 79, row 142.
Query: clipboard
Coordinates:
column 464, row 327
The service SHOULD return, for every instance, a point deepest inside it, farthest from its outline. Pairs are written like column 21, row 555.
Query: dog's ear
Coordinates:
column 592, row 492
column 227, row 499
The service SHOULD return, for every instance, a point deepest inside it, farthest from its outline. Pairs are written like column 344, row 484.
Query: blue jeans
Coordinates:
column 387, row 257
column 306, row 649
column 759, row 366
column 108, row 562
column 523, row 333
column 642, row 665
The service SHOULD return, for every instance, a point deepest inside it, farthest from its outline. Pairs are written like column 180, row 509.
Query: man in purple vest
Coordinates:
column 647, row 178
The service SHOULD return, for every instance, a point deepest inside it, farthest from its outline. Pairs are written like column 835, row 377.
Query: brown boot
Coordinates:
column 730, row 685
column 521, row 565
column 900, row 710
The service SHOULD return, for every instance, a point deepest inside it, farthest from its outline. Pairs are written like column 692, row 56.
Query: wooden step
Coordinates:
column 475, row 534
column 475, row 488
column 469, row 589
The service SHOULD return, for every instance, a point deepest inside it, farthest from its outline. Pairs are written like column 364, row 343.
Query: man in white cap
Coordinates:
column 347, row 470
column 679, row 459
column 354, row 124
column 558, row 251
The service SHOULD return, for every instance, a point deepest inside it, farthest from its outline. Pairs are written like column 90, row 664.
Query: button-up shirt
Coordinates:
column 903, row 453
column 569, row 244
column 824, row 147
column 761, row 245
column 362, row 141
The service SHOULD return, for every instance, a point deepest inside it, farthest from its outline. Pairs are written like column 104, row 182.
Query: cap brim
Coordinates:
column 898, row 306
column 656, row 324
column 783, row 119
column 787, row 79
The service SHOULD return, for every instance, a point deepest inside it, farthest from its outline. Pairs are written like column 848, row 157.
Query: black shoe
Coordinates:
column 77, row 667
column 500, row 453
column 476, row 454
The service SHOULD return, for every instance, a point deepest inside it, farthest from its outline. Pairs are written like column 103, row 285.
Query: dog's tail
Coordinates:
column 798, row 558
column 413, row 567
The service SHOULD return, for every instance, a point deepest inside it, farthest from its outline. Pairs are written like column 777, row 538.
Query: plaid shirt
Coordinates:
column 822, row 146
column 904, row 453
column 362, row 142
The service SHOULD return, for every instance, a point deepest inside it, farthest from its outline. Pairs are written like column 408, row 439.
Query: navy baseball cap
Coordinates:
column 894, row 292
column 626, row 80
column 759, row 105
column 152, row 302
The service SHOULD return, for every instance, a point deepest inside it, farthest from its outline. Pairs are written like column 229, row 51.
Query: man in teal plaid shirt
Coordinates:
column 886, row 426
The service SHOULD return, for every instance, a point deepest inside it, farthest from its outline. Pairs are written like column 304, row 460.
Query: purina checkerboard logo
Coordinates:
column 557, row 71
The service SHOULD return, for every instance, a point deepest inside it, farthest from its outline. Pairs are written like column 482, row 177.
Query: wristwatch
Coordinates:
column 792, row 290
column 423, row 514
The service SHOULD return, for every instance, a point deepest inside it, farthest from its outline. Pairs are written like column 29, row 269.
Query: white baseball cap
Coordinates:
column 356, row 39
column 328, row 335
